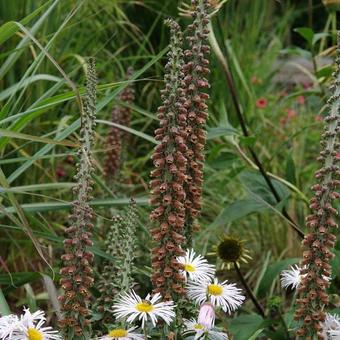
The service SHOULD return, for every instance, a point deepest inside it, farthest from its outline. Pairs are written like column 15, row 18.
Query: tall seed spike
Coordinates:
column 319, row 241
column 76, row 274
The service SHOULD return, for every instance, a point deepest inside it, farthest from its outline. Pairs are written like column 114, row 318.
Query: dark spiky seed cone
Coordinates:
column 121, row 115
column 76, row 273
column 196, row 69
column 167, row 192
column 320, row 240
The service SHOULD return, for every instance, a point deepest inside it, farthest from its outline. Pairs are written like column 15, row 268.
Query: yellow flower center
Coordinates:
column 34, row 334
column 144, row 306
column 198, row 326
column 118, row 333
column 215, row 289
column 189, row 268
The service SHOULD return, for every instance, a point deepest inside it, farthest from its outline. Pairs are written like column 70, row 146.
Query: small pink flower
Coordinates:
column 261, row 103
column 291, row 113
column 60, row 172
column 206, row 316
column 318, row 118
column 306, row 85
column 300, row 100
column 337, row 156
column 254, row 80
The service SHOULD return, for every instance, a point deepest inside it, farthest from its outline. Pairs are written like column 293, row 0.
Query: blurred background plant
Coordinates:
column 271, row 63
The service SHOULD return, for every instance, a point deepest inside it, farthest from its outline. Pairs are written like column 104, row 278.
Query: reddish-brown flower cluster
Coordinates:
column 120, row 115
column 167, row 186
column 195, row 70
column 76, row 274
column 318, row 242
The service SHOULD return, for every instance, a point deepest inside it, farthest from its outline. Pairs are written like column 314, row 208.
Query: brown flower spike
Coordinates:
column 120, row 115
column 167, row 192
column 195, row 70
column 76, row 273
column 313, row 297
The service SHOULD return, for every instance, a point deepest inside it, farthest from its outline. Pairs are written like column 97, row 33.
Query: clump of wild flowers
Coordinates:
column 77, row 260
column 204, row 289
column 30, row 326
column 313, row 297
column 168, row 178
column 195, row 70
column 116, row 276
column 121, row 115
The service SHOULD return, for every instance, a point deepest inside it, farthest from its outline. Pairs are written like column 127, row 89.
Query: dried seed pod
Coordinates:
column 167, row 184
column 195, row 68
column 313, row 296
column 121, row 114
column 76, row 273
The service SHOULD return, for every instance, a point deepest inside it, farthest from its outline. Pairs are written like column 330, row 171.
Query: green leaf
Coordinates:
column 290, row 170
column 220, row 132
column 19, row 135
column 306, row 33
column 52, row 206
column 318, row 36
column 239, row 209
column 8, row 29
column 16, row 280
column 324, row 72
column 247, row 141
column 245, row 327
column 129, row 130
column 29, row 80
column 257, row 185
column 272, row 272
column 4, row 308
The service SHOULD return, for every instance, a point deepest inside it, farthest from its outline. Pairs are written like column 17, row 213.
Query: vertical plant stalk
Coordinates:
column 76, row 273
column 121, row 115
column 117, row 274
column 244, row 128
column 167, row 191
column 249, row 291
column 195, row 70
column 316, row 269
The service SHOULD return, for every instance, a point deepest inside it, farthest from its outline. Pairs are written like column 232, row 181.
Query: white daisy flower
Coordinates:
column 291, row 277
column 8, row 324
column 331, row 327
column 196, row 267
column 200, row 331
column 334, row 334
column 224, row 295
column 132, row 306
column 122, row 334
column 31, row 327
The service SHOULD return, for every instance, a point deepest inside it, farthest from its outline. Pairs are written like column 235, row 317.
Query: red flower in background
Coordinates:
column 261, row 103
column 60, row 172
column 291, row 113
column 318, row 118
